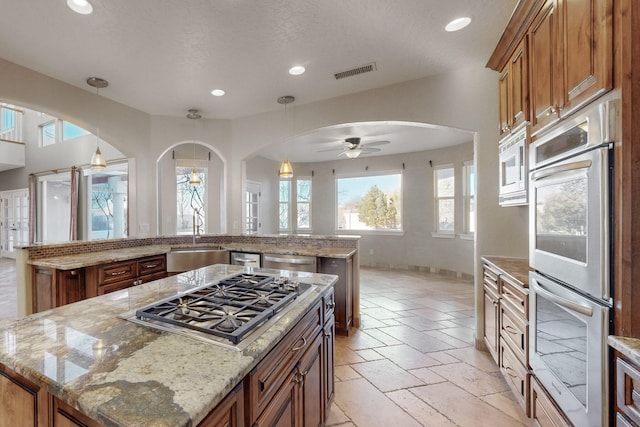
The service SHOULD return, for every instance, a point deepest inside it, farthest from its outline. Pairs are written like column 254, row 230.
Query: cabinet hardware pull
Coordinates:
column 331, row 305
column 304, row 343
column 150, row 266
column 118, row 273
column 73, row 272
column 511, row 329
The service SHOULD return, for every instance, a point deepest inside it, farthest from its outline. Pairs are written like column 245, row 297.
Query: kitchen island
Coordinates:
column 119, row 373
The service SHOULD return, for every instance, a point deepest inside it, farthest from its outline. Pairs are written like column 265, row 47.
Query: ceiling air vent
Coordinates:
column 355, row 71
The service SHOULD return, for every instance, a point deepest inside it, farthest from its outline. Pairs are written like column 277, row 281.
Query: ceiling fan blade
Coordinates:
column 330, row 149
column 369, row 150
column 372, row 143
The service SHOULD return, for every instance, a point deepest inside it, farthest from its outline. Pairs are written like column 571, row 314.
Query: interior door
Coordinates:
column 252, row 215
column 15, row 221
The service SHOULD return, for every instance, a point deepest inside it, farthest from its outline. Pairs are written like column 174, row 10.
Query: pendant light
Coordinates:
column 195, row 179
column 97, row 161
column 286, row 170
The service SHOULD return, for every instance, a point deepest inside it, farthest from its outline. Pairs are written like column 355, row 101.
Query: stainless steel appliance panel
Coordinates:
column 568, row 349
column 246, row 259
column 290, row 262
column 569, row 221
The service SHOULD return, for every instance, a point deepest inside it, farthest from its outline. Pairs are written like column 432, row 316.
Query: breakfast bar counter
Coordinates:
column 121, row 373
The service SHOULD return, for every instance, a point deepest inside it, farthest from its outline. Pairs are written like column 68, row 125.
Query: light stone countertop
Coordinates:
column 629, row 347
column 70, row 262
column 518, row 268
column 116, row 370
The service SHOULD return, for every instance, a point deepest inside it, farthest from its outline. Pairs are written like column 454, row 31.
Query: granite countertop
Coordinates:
column 70, row 262
column 629, row 347
column 518, row 268
column 122, row 373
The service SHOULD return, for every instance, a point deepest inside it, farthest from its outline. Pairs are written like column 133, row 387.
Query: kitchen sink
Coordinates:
column 192, row 257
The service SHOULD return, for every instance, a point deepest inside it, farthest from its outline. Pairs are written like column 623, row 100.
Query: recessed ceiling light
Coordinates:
column 458, row 24
column 217, row 92
column 82, row 7
column 297, row 70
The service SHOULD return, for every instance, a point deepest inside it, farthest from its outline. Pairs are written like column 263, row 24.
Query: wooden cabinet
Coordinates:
column 229, row 412
column 328, row 362
column 22, row 403
column 513, row 89
column 571, row 48
column 627, row 392
column 544, row 411
column 67, row 416
column 343, row 268
column 106, row 278
column 53, row 288
column 491, row 311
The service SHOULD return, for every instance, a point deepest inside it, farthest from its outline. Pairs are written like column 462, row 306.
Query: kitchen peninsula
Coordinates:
column 85, row 361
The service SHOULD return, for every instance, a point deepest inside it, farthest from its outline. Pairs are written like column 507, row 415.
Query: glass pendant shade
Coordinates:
column 286, row 171
column 352, row 154
column 195, row 179
column 97, row 161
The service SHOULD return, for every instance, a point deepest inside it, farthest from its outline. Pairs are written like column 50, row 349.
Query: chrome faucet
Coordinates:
column 196, row 228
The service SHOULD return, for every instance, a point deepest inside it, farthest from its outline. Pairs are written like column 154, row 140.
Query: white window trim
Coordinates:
column 443, row 233
column 466, row 197
column 289, row 228
column 305, row 229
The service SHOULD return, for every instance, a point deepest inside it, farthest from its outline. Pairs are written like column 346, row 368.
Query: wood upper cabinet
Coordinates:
column 545, row 67
column 571, row 51
column 513, row 89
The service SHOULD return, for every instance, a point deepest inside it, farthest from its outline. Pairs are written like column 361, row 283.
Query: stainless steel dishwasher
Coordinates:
column 246, row 259
column 290, row 262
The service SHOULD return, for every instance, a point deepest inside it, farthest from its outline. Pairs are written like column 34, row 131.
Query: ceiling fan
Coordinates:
column 352, row 147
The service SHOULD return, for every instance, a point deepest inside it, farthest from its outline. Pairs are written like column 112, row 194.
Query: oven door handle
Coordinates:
column 573, row 306
column 554, row 170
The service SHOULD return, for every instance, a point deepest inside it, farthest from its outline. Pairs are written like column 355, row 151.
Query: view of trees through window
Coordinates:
column 445, row 199
column 303, row 203
column 371, row 202
column 285, row 202
column 108, row 193
column 190, row 200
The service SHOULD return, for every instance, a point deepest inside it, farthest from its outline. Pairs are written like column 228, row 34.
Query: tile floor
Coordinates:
column 412, row 362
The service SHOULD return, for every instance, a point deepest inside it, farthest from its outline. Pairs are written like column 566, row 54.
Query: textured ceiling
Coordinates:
column 164, row 56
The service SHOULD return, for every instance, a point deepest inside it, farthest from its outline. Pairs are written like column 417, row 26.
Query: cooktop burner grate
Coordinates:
column 230, row 308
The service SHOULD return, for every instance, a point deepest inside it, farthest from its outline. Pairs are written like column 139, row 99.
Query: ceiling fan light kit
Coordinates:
column 352, row 148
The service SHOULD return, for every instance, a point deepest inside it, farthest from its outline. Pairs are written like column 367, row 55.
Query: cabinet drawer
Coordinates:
column 515, row 296
column 328, row 305
column 516, row 333
column 622, row 421
column 543, row 409
column 155, row 264
column 266, row 378
column 116, row 272
column 516, row 375
column 628, row 389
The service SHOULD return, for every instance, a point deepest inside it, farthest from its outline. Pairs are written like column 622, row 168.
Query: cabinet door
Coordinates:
column 588, row 50
column 491, row 325
column 67, row 416
column 504, row 101
column 546, row 74
column 152, row 265
column 70, row 286
column 284, row 409
column 328, row 363
column 229, row 412
column 44, row 289
column 312, row 384
column 22, row 403
column 343, row 290
column 519, row 87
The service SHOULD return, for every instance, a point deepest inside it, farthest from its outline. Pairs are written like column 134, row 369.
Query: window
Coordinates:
column 252, row 211
column 469, row 173
column 284, row 223
column 48, row 134
column 7, row 120
column 372, row 202
column 70, row 131
column 190, row 198
column 303, row 203
column 108, row 192
column 445, row 199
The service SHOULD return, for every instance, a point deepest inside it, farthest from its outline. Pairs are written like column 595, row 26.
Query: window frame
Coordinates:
column 202, row 168
column 287, row 203
column 298, row 202
column 41, row 134
column 438, row 232
column 469, row 199
column 398, row 232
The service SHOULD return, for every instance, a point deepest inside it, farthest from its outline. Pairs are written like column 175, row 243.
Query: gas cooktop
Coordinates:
column 229, row 309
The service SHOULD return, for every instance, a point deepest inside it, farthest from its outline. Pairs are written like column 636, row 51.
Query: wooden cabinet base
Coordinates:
column 543, row 410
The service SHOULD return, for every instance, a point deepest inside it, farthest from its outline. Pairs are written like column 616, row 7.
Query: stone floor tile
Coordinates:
column 379, row 313
column 360, row 340
column 407, row 357
column 453, row 341
column 369, row 354
column 346, row 373
column 479, row 359
column 444, row 357
column 463, row 408
column 381, row 336
column 386, row 376
column 336, row 416
column 507, row 403
column 343, row 354
column 427, row 375
column 418, row 409
column 418, row 340
column 366, row 406
column 472, row 379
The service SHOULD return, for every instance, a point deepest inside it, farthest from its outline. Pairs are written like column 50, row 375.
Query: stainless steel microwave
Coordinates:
column 513, row 169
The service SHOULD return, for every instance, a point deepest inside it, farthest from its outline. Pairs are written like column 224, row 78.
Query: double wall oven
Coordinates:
column 570, row 252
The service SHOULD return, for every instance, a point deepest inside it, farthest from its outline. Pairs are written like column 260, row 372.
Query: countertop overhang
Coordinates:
column 121, row 373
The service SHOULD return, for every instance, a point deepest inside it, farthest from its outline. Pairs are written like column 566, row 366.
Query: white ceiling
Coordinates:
column 165, row 56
